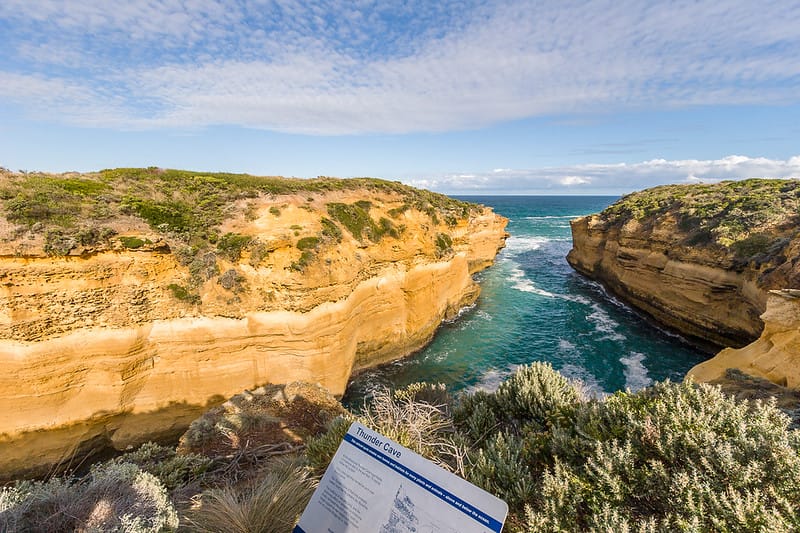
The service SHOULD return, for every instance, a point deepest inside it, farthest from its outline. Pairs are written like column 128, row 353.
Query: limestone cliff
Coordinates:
column 133, row 299
column 775, row 355
column 697, row 258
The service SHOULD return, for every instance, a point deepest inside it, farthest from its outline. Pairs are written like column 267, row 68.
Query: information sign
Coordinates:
column 374, row 485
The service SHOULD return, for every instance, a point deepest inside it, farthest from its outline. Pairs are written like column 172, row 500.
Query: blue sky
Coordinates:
column 458, row 96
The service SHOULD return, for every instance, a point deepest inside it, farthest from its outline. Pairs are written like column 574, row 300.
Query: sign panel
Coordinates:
column 375, row 485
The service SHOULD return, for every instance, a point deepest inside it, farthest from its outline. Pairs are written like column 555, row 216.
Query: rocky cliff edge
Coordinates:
column 134, row 299
column 699, row 259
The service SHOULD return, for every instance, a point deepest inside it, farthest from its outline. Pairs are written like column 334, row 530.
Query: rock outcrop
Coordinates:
column 129, row 336
column 699, row 259
column 775, row 355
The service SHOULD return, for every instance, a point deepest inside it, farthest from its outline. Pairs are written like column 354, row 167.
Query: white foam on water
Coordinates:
column 461, row 312
column 604, row 324
column 587, row 379
column 484, row 315
column 636, row 377
column 492, row 378
column 521, row 283
column 565, row 346
column 516, row 244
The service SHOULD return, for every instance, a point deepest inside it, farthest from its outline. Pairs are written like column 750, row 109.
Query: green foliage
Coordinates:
column 321, row 449
column 357, row 220
column 668, row 458
column 330, row 230
column 171, row 469
column 306, row 258
column 115, row 496
column 231, row 245
column 308, row 243
column 183, row 294
column 59, row 243
column 132, row 243
column 190, row 206
column 734, row 214
column 172, row 216
column 444, row 245
column 232, row 280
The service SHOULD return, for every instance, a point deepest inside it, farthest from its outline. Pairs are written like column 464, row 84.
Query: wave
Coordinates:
column 586, row 378
column 636, row 377
column 521, row 283
column 565, row 345
column 603, row 323
column 491, row 379
column 484, row 315
column 517, row 244
column 461, row 312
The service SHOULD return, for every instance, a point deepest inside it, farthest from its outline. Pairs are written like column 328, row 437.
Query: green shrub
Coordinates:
column 231, row 245
column 321, row 449
column 131, row 243
column 355, row 219
column 275, row 211
column 306, row 258
column 115, row 496
column 753, row 245
column 231, row 280
column 444, row 245
column 307, row 243
column 668, row 458
column 330, row 230
column 171, row 469
column 175, row 216
column 183, row 294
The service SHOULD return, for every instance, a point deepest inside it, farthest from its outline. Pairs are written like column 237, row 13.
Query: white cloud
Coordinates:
column 335, row 67
column 611, row 178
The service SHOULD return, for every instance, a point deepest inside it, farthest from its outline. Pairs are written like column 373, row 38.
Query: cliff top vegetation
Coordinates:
column 75, row 209
column 672, row 457
column 749, row 217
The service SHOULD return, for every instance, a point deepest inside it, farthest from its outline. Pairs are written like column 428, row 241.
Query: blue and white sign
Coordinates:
column 375, row 485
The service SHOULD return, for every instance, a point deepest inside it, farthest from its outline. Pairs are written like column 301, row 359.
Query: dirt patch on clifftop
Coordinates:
column 267, row 421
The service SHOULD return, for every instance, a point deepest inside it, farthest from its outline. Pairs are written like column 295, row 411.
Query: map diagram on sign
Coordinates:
column 405, row 517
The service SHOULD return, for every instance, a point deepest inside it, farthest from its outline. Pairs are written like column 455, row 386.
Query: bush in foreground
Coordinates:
column 113, row 497
column 674, row 457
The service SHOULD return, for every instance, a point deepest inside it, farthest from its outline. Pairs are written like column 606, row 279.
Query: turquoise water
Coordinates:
column 534, row 307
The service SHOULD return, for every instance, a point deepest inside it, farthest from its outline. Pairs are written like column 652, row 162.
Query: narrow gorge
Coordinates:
column 134, row 299
column 703, row 260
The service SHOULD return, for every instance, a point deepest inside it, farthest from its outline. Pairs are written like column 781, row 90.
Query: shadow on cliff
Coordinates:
column 72, row 448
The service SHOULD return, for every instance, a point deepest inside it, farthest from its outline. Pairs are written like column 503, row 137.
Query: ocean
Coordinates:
column 534, row 307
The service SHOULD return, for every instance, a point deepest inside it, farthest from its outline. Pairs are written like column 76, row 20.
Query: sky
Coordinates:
column 458, row 96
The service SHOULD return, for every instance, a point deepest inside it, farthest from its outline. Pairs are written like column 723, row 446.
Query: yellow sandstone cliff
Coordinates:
column 690, row 291
column 699, row 259
column 775, row 355
column 116, row 344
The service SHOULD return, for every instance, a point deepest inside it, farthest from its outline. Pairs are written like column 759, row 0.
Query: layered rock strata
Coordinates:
column 698, row 259
column 775, row 355
column 115, row 345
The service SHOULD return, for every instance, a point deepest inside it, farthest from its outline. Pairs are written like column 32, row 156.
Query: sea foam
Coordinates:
column 636, row 377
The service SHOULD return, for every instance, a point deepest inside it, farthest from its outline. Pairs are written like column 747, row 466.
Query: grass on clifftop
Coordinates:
column 749, row 217
column 183, row 205
column 672, row 457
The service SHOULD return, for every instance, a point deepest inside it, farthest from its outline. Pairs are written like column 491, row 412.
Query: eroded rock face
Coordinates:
column 775, row 355
column 694, row 291
column 116, row 347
